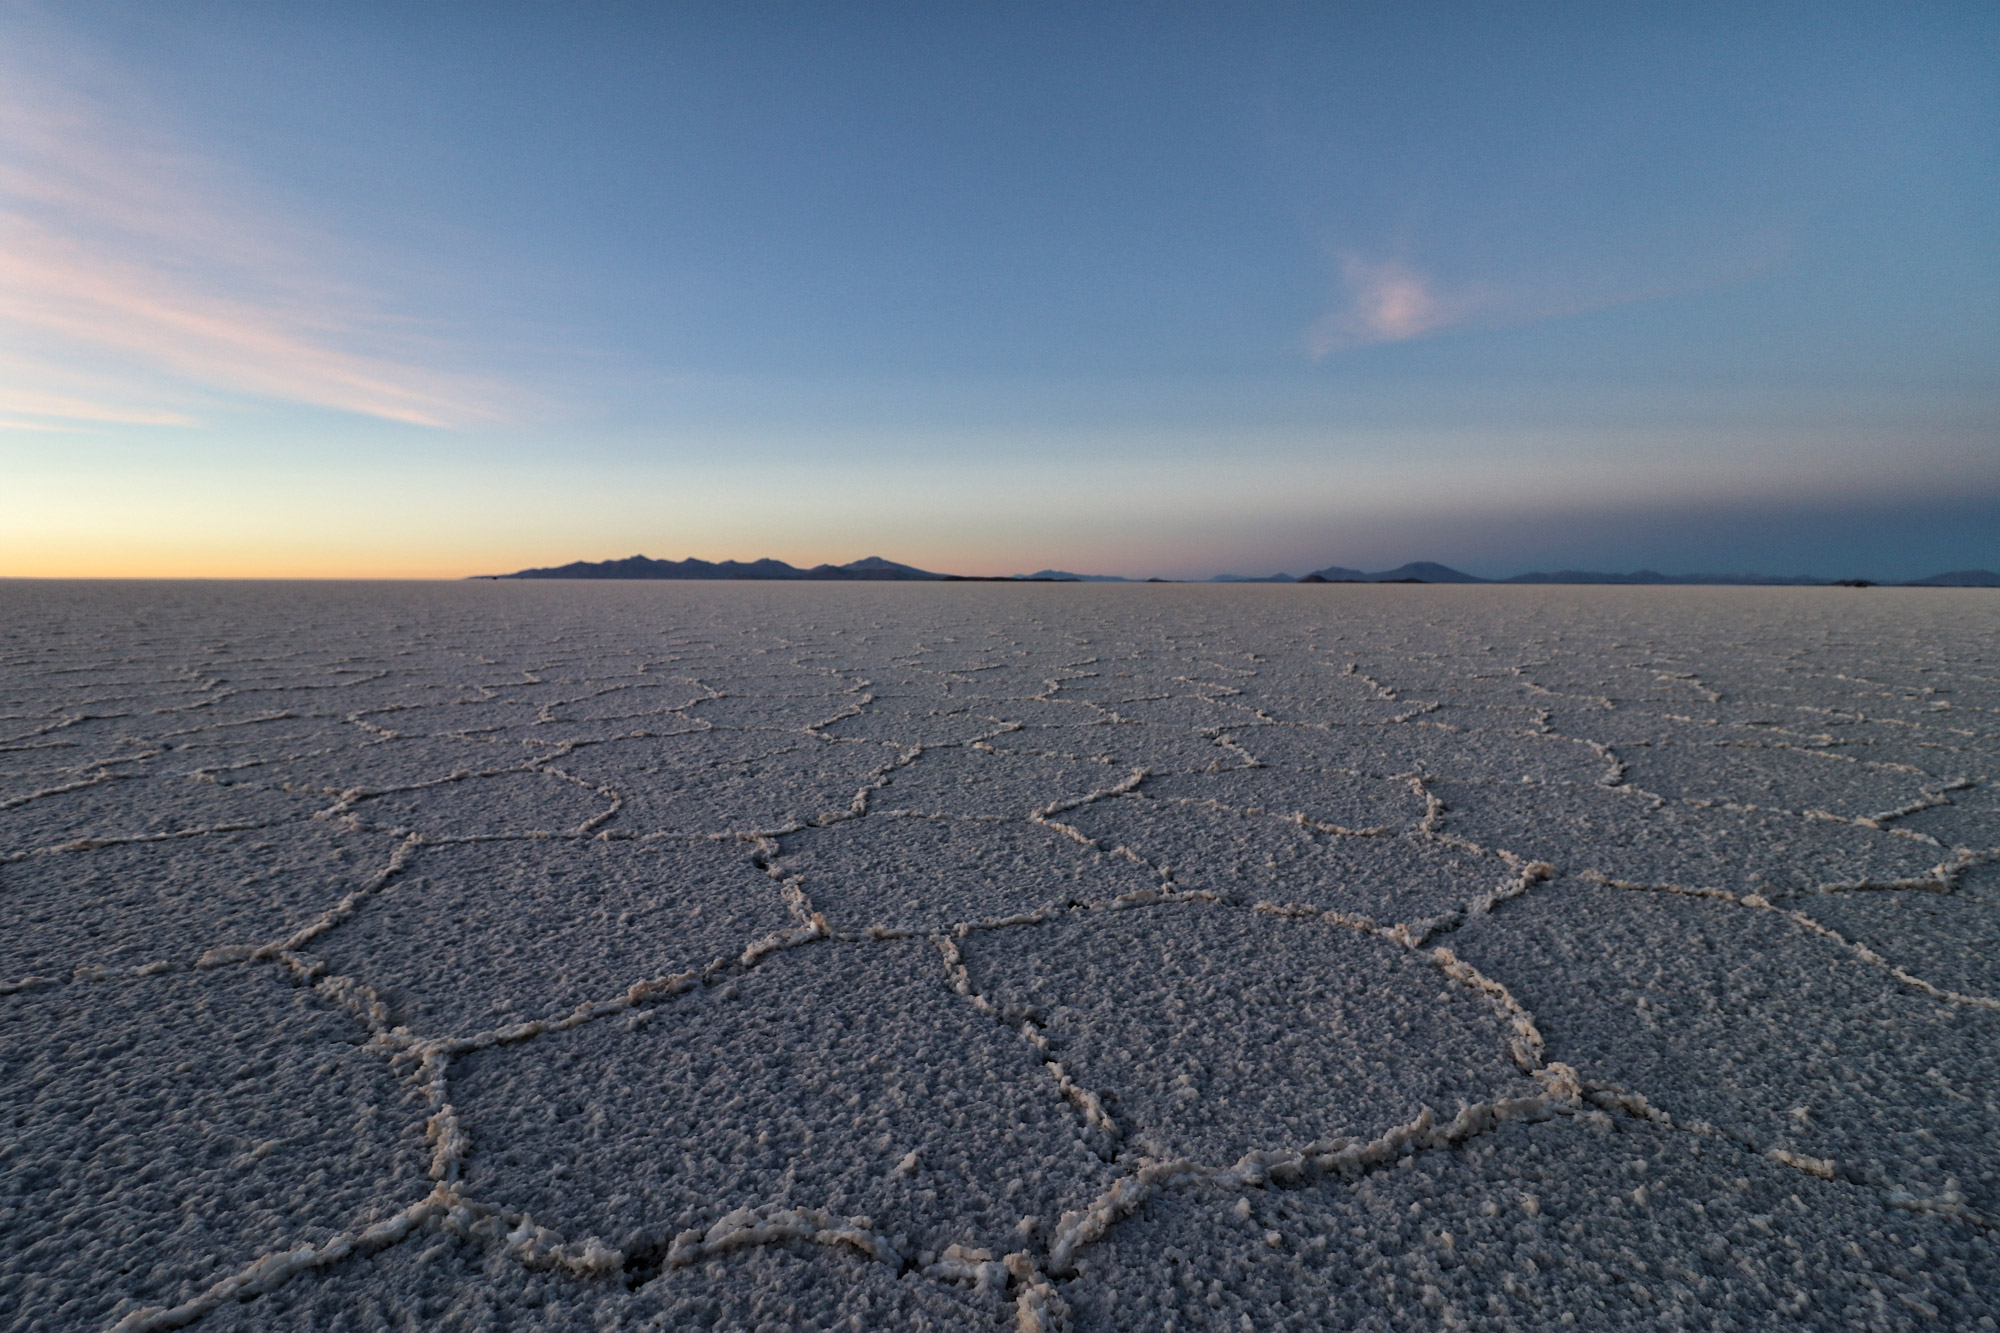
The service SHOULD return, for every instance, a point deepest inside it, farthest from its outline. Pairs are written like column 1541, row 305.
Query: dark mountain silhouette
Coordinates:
column 870, row 568
column 641, row 567
column 1425, row 571
column 876, row 569
column 1064, row 576
column 1958, row 578
column 1421, row 571
column 1591, row 576
column 1650, row 576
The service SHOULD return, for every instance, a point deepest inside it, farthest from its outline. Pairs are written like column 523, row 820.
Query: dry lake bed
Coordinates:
column 764, row 956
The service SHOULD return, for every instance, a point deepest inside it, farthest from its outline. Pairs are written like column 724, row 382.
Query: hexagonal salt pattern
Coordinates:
column 485, row 934
column 1205, row 1028
column 166, row 1130
column 839, row 1077
column 548, row 956
column 136, row 904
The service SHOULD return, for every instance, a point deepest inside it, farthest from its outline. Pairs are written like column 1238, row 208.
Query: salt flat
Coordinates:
column 682, row 955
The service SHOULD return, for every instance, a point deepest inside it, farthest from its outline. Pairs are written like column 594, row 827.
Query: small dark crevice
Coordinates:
column 644, row 1262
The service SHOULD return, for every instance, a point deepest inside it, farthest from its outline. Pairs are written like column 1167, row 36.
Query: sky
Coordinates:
column 395, row 290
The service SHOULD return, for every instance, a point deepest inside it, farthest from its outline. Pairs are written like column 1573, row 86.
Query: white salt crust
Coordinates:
column 1238, row 870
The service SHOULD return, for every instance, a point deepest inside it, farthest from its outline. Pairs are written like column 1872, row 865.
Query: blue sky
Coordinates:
column 1147, row 289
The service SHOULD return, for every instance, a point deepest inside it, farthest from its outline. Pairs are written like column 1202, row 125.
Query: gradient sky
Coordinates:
column 431, row 290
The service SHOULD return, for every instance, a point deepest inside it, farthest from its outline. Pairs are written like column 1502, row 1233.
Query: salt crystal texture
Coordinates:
column 1062, row 957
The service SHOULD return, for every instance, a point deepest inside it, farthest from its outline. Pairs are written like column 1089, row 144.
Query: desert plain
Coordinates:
column 754, row 956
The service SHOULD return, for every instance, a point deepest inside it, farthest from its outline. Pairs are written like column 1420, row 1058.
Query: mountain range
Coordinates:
column 1424, row 571
column 876, row 569
column 869, row 569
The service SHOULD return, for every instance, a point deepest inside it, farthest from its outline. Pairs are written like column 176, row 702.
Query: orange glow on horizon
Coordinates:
column 245, row 565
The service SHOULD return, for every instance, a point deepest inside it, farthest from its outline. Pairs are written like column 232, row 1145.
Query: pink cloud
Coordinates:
column 1389, row 301
column 53, row 285
column 120, row 246
column 65, row 407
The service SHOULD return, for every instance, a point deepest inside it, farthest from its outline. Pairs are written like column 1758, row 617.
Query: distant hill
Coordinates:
column 1961, row 578
column 1421, row 571
column 1958, row 578
column 1429, row 571
column 876, row 569
column 1591, row 576
column 1425, row 571
column 1650, row 576
column 870, row 568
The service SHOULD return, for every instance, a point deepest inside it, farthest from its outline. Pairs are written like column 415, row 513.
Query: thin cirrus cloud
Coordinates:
column 125, row 252
column 20, row 403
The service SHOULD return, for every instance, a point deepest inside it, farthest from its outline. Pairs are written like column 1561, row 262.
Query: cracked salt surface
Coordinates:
column 933, row 873
column 493, row 933
column 750, row 956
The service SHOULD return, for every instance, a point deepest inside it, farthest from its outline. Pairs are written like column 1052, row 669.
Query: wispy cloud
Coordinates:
column 121, row 246
column 65, row 408
column 1393, row 300
column 1390, row 301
